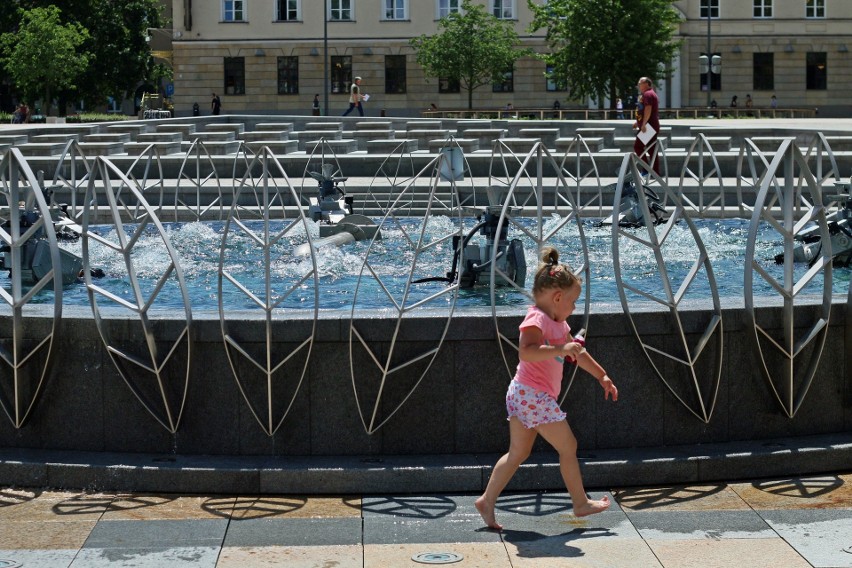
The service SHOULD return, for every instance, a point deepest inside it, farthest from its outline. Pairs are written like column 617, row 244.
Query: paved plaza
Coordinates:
column 773, row 523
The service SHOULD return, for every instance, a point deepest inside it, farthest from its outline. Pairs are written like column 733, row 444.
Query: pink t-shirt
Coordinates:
column 544, row 375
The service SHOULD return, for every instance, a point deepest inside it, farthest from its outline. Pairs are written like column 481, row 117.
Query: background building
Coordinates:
column 267, row 55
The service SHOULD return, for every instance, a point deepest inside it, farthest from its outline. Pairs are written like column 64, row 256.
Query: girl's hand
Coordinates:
column 573, row 349
column 609, row 388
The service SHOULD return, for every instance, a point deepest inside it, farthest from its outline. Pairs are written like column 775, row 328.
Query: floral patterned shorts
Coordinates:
column 532, row 407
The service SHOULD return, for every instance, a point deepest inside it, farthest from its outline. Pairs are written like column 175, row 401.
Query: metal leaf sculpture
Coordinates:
column 25, row 354
column 155, row 366
column 269, row 381
column 781, row 353
column 384, row 376
column 695, row 389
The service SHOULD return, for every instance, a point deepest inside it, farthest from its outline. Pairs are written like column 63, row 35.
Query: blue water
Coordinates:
column 198, row 245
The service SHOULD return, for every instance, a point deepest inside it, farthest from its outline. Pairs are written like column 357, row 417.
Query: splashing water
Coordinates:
column 198, row 246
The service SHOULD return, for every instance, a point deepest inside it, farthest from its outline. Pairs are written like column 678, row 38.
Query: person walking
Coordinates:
column 355, row 98
column 216, row 104
column 648, row 124
column 531, row 401
column 315, row 108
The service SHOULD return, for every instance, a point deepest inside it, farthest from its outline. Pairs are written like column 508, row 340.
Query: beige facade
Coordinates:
column 255, row 39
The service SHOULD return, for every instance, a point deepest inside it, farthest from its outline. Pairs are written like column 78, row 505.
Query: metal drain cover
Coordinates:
column 437, row 557
column 8, row 564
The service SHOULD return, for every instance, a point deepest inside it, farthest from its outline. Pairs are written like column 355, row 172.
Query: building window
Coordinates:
column 506, row 85
column 395, row 10
column 447, row 7
column 446, row 85
column 554, row 85
column 340, row 9
column 815, row 9
column 714, row 8
column 503, row 9
column 762, row 8
column 395, row 74
column 341, row 73
column 233, row 11
column 764, row 71
column 288, row 10
column 817, row 75
column 715, row 79
column 288, row 75
column 235, row 75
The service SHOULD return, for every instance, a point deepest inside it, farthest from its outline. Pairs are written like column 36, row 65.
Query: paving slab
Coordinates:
column 336, row 556
column 293, row 532
column 474, row 555
column 754, row 553
column 681, row 525
column 41, row 558
column 821, row 536
column 173, row 557
column 157, row 534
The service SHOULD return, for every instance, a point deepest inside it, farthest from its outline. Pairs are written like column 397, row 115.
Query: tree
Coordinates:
column 472, row 48
column 119, row 55
column 599, row 48
column 44, row 56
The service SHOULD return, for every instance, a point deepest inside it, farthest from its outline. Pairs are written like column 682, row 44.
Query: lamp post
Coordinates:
column 325, row 53
column 709, row 53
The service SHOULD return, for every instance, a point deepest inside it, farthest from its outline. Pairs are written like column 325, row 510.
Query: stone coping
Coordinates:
column 330, row 475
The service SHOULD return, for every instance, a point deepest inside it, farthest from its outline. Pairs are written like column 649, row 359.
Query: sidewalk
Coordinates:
column 796, row 522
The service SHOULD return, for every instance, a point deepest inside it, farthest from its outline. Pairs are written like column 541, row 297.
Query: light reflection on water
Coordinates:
column 198, row 245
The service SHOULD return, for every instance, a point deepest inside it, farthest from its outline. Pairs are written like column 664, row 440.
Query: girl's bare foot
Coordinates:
column 590, row 508
column 486, row 509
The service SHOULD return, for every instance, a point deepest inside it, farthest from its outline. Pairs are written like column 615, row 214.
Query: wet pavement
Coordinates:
column 793, row 522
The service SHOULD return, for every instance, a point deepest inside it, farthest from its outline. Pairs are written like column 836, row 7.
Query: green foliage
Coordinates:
column 472, row 47
column 97, row 117
column 600, row 48
column 119, row 55
column 44, row 56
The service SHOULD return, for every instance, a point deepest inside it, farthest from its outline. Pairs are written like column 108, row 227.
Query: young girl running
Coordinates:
column 531, row 400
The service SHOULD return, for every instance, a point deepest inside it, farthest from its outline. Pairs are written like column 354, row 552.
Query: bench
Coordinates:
column 391, row 146
column 215, row 147
column 233, row 127
column 184, row 128
column 14, row 139
column 269, row 135
column 424, row 136
column 594, row 144
column 486, row 136
column 423, row 125
column 116, row 137
column 132, row 129
column 285, row 126
column 304, row 136
column 608, row 134
column 214, row 136
column 41, row 148
column 276, row 146
column 323, row 126
column 101, row 148
column 374, row 125
column 150, row 137
column 338, row 146
column 466, row 144
column 364, row 136
column 521, row 145
column 548, row 136
column 166, row 147
column 54, row 138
